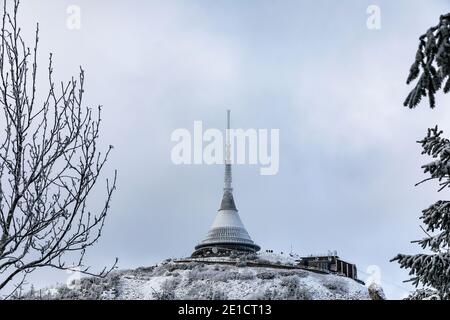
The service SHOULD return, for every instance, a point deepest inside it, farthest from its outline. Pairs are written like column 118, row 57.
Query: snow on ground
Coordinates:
column 215, row 280
column 263, row 257
column 210, row 281
column 279, row 258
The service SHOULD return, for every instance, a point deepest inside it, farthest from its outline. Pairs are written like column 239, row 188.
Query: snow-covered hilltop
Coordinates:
column 225, row 279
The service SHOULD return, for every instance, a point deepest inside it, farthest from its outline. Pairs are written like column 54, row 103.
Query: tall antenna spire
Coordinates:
column 227, row 199
column 228, row 178
column 227, row 234
column 228, row 140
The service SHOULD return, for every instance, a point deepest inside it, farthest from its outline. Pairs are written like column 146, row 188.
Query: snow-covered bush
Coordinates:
column 298, row 273
column 293, row 290
column 246, row 275
column 241, row 263
column 168, row 288
column 266, row 275
column 336, row 285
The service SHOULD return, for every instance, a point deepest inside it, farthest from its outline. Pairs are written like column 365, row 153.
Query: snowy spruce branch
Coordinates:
column 431, row 67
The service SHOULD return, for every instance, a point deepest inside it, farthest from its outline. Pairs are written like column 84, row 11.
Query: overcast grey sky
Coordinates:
column 334, row 88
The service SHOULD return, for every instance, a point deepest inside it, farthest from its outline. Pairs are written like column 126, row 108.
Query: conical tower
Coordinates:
column 227, row 233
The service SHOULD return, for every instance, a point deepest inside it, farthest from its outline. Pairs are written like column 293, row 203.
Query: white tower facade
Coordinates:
column 227, row 232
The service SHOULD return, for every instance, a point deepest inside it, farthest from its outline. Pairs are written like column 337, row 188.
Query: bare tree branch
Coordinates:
column 49, row 164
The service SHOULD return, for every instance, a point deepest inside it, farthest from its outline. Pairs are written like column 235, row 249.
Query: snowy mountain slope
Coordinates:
column 199, row 280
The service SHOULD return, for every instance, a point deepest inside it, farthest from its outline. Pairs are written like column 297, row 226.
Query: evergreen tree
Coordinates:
column 432, row 69
column 433, row 269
